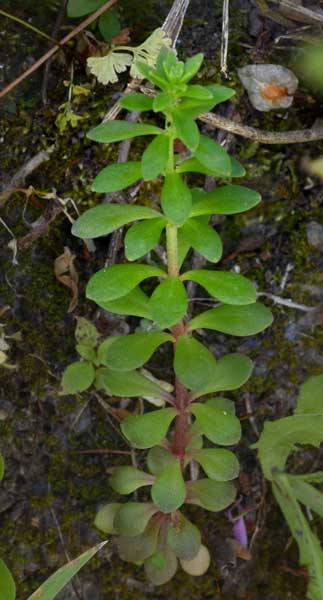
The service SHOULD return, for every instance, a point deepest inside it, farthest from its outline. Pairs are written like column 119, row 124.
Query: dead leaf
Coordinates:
column 123, row 37
column 240, row 551
column 65, row 264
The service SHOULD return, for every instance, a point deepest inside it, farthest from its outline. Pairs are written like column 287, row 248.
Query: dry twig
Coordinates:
column 31, row 165
column 225, row 37
column 11, row 86
column 264, row 137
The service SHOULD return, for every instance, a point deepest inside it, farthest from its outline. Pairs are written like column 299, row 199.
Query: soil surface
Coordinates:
column 52, row 489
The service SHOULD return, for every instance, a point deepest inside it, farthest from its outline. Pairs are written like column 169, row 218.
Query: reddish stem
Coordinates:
column 181, row 402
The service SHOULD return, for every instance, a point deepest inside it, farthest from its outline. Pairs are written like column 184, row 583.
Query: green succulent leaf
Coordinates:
column 162, row 101
column 219, row 464
column 136, row 101
column 231, row 372
column 234, row 320
column 237, row 169
column 183, row 248
column 155, row 158
column 168, row 302
column 203, row 238
column 139, row 548
column 105, row 516
column 227, row 287
column 184, row 538
column 135, row 303
column 80, row 8
column 219, row 426
column 118, row 280
column 77, row 377
column 126, row 480
column 192, row 165
column 186, row 130
column 132, row 518
column 158, row 458
column 109, row 25
column 199, row 92
column 131, row 384
column 86, row 333
column 199, row 564
column 86, row 352
column 307, row 494
column 142, row 237
column 213, row 156
column 194, row 364
column 310, row 399
column 212, row 495
column 145, row 431
column 221, row 403
column 192, row 66
column 220, row 93
column 105, row 218
column 169, row 491
column 161, row 567
column 7, row 584
column 226, row 200
column 117, row 177
column 116, row 131
column 176, row 199
column 128, row 352
column 193, row 107
column 152, row 75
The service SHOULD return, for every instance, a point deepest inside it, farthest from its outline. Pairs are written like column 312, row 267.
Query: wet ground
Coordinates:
column 51, row 491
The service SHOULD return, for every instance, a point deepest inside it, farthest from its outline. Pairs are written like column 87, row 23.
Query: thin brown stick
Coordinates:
column 55, row 32
column 11, row 86
column 299, row 12
column 263, row 137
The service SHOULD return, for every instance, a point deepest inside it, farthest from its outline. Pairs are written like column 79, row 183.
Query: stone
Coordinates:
column 314, row 233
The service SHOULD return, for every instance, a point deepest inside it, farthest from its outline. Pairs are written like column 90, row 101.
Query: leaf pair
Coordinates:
column 198, row 370
column 115, row 288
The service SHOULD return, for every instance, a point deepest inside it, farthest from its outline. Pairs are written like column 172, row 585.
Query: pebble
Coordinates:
column 314, row 233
